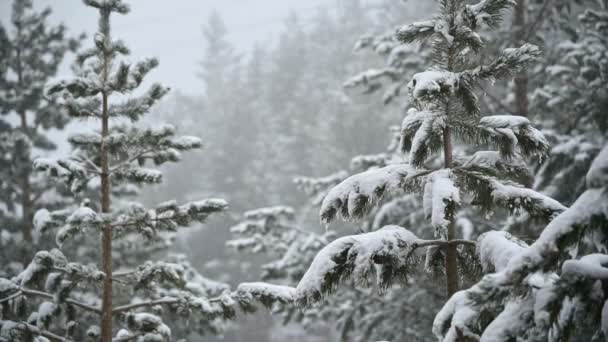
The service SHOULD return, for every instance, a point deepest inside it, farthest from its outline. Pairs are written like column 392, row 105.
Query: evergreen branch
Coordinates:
column 130, row 160
column 442, row 243
column 40, row 332
column 25, row 291
column 13, row 296
column 127, row 307
column 162, row 301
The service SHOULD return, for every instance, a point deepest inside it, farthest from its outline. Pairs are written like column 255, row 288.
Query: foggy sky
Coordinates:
column 172, row 30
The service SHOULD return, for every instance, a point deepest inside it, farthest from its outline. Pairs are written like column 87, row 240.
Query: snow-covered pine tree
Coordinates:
column 556, row 289
column 54, row 299
column 31, row 51
column 445, row 107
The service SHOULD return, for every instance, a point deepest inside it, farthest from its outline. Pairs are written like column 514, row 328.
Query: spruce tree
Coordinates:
column 444, row 110
column 31, row 51
column 56, row 299
column 445, row 106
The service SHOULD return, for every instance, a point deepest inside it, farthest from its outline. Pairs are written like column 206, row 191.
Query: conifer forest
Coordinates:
column 304, row 171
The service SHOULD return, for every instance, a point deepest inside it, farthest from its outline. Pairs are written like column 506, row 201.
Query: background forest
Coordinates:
column 282, row 125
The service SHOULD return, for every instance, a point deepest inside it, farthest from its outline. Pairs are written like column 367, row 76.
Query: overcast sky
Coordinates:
column 172, row 30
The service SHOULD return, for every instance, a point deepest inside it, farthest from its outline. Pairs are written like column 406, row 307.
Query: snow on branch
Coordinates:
column 385, row 253
column 134, row 108
column 509, row 131
column 440, row 199
column 266, row 293
column 591, row 266
column 494, row 164
column 496, row 248
column 417, row 31
column 488, row 191
column 453, row 321
column 419, row 129
column 354, row 197
column 427, row 139
column 429, row 85
column 365, row 77
column 485, row 12
column 507, row 64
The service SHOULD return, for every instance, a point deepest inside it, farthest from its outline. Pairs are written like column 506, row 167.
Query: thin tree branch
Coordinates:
column 37, row 331
column 13, row 296
column 442, row 243
column 74, row 302
column 162, row 301
column 129, row 161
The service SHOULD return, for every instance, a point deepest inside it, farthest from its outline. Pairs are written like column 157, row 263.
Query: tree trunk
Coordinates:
column 26, row 192
column 106, row 239
column 520, row 82
column 451, row 256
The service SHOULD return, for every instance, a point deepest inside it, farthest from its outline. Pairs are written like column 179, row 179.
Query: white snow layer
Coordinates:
column 439, row 191
column 364, row 189
column 496, row 248
column 389, row 240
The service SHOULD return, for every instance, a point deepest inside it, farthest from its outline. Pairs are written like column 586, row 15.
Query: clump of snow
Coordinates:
column 496, row 248
column 432, row 81
column 149, row 324
column 186, row 142
column 592, row 266
column 41, row 219
column 439, row 192
column 504, row 121
column 282, row 293
column 84, row 216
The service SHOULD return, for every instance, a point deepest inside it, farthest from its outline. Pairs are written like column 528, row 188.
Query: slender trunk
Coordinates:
column 106, row 239
column 451, row 256
column 26, row 192
column 520, row 82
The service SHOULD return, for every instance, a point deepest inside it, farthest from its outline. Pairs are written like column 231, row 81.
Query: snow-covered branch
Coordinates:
column 354, row 197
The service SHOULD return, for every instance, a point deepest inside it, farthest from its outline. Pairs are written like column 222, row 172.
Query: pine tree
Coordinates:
column 30, row 55
column 109, row 159
column 444, row 107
